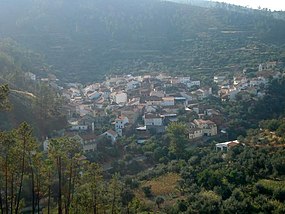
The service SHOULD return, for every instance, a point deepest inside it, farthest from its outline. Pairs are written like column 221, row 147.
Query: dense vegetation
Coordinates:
column 62, row 178
column 189, row 179
column 86, row 39
column 32, row 101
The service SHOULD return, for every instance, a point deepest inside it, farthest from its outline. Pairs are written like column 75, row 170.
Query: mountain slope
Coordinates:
column 86, row 39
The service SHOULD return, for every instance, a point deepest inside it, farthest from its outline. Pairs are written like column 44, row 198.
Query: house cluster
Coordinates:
column 129, row 104
column 145, row 105
column 243, row 85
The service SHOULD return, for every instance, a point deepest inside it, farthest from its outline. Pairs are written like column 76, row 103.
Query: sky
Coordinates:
column 271, row 4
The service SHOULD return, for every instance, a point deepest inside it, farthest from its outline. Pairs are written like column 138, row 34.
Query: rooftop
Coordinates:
column 150, row 116
column 111, row 132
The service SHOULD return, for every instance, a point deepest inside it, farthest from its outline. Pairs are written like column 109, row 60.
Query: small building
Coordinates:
column 78, row 127
column 31, row 76
column 202, row 93
column 195, row 133
column 90, row 88
column 226, row 145
column 168, row 101
column 120, row 124
column 258, row 81
column 219, row 79
column 46, row 144
column 132, row 85
column 152, row 100
column 89, row 142
column 170, row 117
column 93, row 95
column 119, row 97
column 112, row 135
column 154, row 122
column 239, row 80
column 194, row 83
column 209, row 128
column 157, row 93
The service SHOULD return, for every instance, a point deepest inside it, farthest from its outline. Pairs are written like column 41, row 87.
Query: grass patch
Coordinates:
column 164, row 185
column 271, row 185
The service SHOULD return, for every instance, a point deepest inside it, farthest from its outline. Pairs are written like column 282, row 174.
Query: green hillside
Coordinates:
column 86, row 39
column 32, row 101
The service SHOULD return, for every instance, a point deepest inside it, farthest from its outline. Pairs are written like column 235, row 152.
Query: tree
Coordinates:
column 8, row 170
column 177, row 135
column 16, row 149
column 127, row 196
column 90, row 192
column 147, row 191
column 65, row 153
column 26, row 144
column 115, row 191
column 159, row 200
column 4, row 92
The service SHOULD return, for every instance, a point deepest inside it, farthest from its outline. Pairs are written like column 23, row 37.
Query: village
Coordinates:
column 143, row 106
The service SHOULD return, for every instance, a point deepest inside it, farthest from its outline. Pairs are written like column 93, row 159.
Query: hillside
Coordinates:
column 85, row 39
column 32, row 101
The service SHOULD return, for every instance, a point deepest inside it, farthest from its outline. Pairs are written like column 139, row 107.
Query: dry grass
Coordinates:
column 164, row 185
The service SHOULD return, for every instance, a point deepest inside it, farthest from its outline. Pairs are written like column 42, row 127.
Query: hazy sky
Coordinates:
column 272, row 4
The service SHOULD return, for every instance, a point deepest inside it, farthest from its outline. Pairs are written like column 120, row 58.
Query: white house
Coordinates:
column 193, row 83
column 121, row 98
column 132, row 85
column 226, row 145
column 120, row 124
column 31, row 76
column 260, row 68
column 219, row 79
column 184, row 80
column 46, row 144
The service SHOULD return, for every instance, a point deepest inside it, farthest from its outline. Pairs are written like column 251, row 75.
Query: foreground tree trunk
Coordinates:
column 59, row 185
